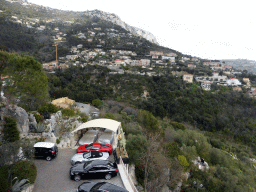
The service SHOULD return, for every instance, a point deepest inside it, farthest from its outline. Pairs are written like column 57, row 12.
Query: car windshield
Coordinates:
column 86, row 155
column 97, row 186
column 103, row 145
column 89, row 146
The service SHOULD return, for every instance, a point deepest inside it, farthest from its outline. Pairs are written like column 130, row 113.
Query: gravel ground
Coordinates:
column 53, row 176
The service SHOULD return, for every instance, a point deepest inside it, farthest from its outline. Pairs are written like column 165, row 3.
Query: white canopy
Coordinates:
column 102, row 123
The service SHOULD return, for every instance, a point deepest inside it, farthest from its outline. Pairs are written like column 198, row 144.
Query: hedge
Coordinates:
column 25, row 170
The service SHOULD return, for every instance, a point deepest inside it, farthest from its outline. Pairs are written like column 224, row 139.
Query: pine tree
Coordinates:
column 10, row 131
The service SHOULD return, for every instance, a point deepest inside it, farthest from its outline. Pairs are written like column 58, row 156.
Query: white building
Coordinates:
column 233, row 82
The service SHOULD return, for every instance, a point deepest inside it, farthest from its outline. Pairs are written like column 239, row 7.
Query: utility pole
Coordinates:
column 56, row 45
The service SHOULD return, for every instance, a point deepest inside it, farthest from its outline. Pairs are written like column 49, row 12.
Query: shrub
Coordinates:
column 39, row 118
column 11, row 132
column 136, row 145
column 83, row 119
column 178, row 125
column 58, row 140
column 109, row 116
column 3, row 178
column 173, row 150
column 147, row 120
column 97, row 102
column 25, row 170
column 48, row 107
column 183, row 161
column 68, row 113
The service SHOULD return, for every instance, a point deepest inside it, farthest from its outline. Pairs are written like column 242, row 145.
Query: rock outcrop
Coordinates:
column 19, row 114
column 116, row 20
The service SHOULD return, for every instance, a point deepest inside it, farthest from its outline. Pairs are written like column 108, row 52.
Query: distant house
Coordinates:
column 142, row 62
column 191, row 66
column 194, row 59
column 246, row 80
column 185, row 58
column 206, row 85
column 172, row 59
column 113, row 51
column 156, row 53
column 119, row 62
column 154, row 56
column 212, row 64
column 233, row 82
column 72, row 57
column 251, row 93
column 92, row 53
column 79, row 46
column 171, row 54
column 89, row 40
column 188, row 78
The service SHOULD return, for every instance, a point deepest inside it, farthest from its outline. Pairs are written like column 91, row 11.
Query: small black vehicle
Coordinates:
column 94, row 169
column 90, row 186
column 45, row 150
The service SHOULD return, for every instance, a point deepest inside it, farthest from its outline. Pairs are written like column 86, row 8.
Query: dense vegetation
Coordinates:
column 224, row 111
column 161, row 155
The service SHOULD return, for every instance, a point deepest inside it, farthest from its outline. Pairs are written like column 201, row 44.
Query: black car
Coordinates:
column 90, row 186
column 94, row 169
column 45, row 150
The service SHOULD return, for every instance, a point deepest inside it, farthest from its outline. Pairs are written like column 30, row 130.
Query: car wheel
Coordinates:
column 48, row 158
column 108, row 177
column 77, row 178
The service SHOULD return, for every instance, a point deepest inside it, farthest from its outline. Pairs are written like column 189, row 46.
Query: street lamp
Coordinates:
column 198, row 186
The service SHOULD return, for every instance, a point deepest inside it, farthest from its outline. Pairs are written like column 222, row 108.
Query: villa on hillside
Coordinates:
column 188, row 78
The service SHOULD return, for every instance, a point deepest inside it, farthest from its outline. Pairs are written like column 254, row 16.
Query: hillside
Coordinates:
column 40, row 27
column 242, row 64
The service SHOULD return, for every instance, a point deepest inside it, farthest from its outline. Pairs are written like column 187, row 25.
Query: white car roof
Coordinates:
column 44, row 144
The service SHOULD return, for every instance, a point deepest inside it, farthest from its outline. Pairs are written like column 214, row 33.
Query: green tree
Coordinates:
column 147, row 120
column 183, row 161
column 27, row 80
column 10, row 131
column 97, row 102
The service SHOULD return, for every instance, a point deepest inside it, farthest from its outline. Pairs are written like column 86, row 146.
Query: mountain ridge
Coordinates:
column 96, row 13
column 116, row 19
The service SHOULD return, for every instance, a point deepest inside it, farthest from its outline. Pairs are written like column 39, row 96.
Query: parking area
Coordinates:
column 54, row 175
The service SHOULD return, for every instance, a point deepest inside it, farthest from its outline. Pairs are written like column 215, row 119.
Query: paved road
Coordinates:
column 53, row 176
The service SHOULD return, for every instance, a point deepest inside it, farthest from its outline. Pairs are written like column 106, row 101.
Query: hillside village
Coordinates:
column 94, row 49
column 192, row 119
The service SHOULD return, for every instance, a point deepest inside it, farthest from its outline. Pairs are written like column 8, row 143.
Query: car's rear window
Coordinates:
column 97, row 186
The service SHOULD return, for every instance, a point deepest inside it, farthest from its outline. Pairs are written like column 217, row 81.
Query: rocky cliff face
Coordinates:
column 116, row 20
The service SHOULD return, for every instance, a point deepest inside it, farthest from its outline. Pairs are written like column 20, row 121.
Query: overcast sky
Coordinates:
column 220, row 29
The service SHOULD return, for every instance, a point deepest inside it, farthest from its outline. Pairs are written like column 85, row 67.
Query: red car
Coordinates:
column 101, row 147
